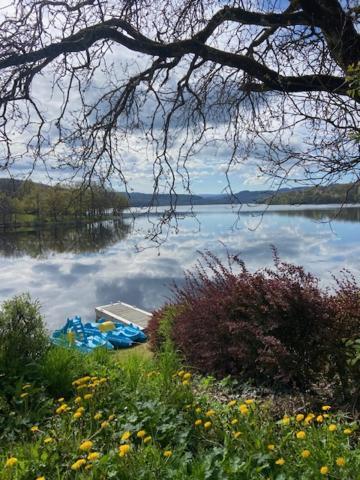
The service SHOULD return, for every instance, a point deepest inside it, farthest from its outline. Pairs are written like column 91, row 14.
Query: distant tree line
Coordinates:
column 337, row 194
column 34, row 202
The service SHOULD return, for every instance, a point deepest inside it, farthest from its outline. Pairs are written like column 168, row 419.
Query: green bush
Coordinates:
column 23, row 338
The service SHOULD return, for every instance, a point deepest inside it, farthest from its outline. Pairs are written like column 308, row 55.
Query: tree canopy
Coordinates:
column 270, row 78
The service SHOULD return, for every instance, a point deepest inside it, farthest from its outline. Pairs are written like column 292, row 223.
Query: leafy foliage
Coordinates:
column 274, row 326
column 23, row 338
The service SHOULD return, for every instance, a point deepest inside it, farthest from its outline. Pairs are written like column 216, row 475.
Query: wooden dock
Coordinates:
column 124, row 313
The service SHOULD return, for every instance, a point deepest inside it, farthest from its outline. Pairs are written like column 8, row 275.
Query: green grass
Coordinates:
column 134, row 392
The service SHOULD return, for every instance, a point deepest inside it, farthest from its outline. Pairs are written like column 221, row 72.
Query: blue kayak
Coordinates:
column 73, row 334
column 115, row 337
column 130, row 331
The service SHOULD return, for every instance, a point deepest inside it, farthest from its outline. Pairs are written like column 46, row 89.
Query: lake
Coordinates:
column 72, row 270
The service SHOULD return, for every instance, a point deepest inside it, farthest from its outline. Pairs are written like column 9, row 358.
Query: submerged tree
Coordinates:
column 270, row 78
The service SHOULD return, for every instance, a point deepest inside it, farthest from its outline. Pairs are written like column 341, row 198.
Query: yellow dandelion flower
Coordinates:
column 98, row 416
column 48, row 440
column 63, row 407
column 280, row 461
column 187, row 376
column 234, row 421
column 111, row 417
column 305, row 453
column 301, row 435
column 198, row 422
column 105, row 424
column 300, row 417
column 24, row 395
column 324, row 470
column 123, row 450
column 88, row 396
column 198, row 410
column 10, row 462
column 243, row 409
column 141, row 434
column 250, row 401
column 210, row 413
column 93, row 456
column 207, row 425
column 271, row 447
column 236, row 434
column 332, row 427
column 147, row 439
column 34, row 429
column 40, row 478
column 232, row 403
column 325, row 408
column 78, row 400
column 77, row 415
column 340, row 461
column 167, row 453
column 86, row 445
column 125, row 436
column 285, row 420
column 181, row 373
column 26, row 386
column 186, row 382
column 78, row 464
column 326, row 415
column 320, row 418
column 81, row 409
column 348, row 431
column 60, row 400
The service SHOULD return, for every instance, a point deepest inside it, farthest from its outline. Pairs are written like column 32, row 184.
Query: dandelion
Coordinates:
column 48, row 440
column 325, row 408
column 324, row 470
column 243, row 409
column 232, row 403
column 60, row 400
column 332, row 427
column 301, row 435
column 250, row 401
column 198, row 410
column 181, row 373
column 147, row 439
column 141, row 434
column 285, row 420
column 88, row 396
column 186, row 382
column 104, row 424
column 309, row 418
column 234, row 421
column 236, row 434
column 305, row 453
column 300, row 417
column 63, row 408
column 348, row 431
column 167, row 453
column 78, row 400
column 340, row 461
column 320, row 418
column 78, row 464
column 81, row 409
column 40, row 478
column 125, row 436
column 280, row 461
column 111, row 418
column 271, row 447
column 26, row 386
column 98, row 416
column 86, row 445
column 198, row 422
column 24, row 395
column 10, row 462
column 34, row 429
column 187, row 376
column 77, row 415
column 210, row 413
column 207, row 425
column 93, row 456
column 123, row 450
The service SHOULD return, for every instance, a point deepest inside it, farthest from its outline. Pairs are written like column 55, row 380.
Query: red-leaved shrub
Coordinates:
column 274, row 325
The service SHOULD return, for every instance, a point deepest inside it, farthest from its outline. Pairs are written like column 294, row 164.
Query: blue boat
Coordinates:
column 73, row 334
column 115, row 337
column 130, row 331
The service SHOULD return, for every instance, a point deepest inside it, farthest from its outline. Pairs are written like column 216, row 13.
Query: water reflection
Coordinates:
column 61, row 239
column 325, row 215
column 72, row 270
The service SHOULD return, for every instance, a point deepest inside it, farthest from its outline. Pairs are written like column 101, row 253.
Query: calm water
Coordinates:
column 72, row 270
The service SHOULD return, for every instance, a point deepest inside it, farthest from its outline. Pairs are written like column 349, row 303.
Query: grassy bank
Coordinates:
column 140, row 416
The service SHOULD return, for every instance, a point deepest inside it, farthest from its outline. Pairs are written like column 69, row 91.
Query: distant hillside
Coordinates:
column 336, row 194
